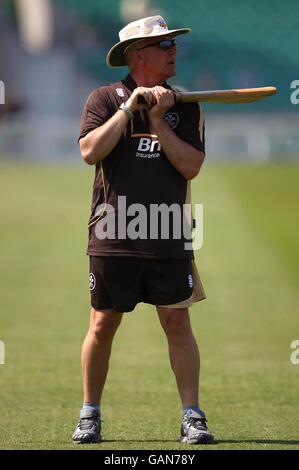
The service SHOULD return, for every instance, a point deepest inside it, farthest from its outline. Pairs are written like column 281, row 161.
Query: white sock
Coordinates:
column 94, row 407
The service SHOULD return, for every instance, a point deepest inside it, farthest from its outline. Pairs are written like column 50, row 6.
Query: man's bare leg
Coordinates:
column 185, row 363
column 95, row 356
column 183, row 352
column 96, row 350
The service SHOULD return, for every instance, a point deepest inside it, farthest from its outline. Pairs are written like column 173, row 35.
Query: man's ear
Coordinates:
column 139, row 57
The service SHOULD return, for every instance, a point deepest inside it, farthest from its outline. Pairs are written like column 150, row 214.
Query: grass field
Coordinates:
column 249, row 264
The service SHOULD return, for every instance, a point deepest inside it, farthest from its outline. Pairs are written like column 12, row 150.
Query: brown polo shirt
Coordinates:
column 135, row 186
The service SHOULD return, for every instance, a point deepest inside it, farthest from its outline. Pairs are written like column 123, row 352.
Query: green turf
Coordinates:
column 249, row 264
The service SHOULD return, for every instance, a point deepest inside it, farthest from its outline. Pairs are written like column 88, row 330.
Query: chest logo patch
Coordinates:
column 172, row 119
column 148, row 146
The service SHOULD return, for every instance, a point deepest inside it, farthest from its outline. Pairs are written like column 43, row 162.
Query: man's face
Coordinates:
column 156, row 60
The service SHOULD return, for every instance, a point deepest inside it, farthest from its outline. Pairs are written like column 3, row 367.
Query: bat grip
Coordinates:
column 141, row 100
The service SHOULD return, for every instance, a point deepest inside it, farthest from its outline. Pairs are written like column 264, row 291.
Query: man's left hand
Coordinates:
column 164, row 101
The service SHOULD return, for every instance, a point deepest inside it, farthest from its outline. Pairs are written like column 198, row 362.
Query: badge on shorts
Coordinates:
column 92, row 281
column 190, row 280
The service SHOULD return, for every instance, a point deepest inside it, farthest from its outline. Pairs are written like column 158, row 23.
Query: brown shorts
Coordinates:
column 121, row 283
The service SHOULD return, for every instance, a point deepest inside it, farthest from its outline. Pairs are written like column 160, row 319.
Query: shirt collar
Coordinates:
column 131, row 84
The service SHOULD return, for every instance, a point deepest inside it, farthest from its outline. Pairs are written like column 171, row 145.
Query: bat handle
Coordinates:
column 141, row 100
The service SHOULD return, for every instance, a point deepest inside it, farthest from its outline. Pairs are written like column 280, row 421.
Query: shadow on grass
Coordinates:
column 223, row 441
column 256, row 441
column 141, row 440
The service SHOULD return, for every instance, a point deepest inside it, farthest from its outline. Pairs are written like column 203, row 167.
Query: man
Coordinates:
column 145, row 155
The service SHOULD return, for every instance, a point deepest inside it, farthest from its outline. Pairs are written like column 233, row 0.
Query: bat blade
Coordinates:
column 242, row 95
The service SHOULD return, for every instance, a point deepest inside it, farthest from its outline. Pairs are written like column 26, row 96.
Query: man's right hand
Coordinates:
column 148, row 95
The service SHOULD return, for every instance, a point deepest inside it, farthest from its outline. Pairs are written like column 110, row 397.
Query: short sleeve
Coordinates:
column 97, row 110
column 192, row 125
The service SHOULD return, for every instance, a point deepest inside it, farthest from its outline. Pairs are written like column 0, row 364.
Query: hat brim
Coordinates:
column 116, row 58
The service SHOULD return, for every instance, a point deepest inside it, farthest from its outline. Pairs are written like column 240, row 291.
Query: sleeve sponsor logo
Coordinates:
column 120, row 92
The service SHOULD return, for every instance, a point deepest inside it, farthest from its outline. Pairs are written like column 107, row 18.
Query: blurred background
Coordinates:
column 52, row 55
column 53, row 52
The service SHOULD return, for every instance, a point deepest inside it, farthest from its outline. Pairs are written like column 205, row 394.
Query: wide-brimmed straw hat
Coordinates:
column 144, row 28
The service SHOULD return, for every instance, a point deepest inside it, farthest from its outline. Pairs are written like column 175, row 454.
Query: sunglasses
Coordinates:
column 164, row 44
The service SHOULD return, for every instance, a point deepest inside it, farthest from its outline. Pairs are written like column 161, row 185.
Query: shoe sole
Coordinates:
column 88, row 440
column 204, row 439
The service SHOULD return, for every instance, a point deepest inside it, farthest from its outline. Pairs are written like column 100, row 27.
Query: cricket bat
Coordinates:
column 242, row 95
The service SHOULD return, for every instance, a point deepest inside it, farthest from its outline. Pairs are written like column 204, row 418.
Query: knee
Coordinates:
column 177, row 324
column 104, row 324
